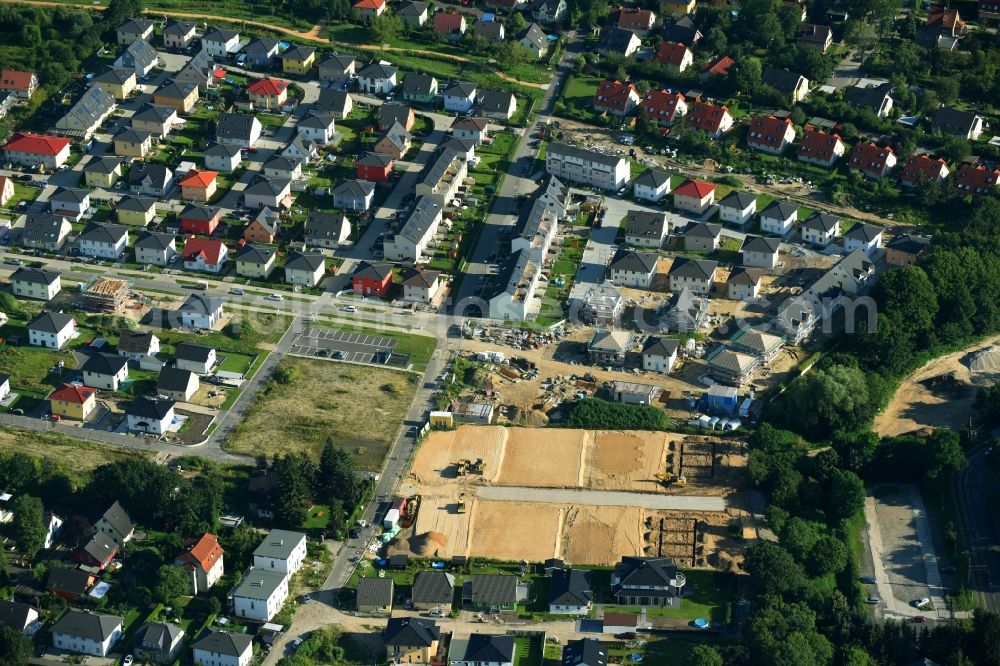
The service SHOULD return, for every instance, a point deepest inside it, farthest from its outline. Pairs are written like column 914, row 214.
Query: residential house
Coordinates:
column 757, row 343
column 69, row 584
column 792, row 85
column 7, row 190
column 632, row 269
column 268, row 93
column 494, row 592
column 199, row 185
column 420, row 286
column 238, row 129
column 779, row 218
column 694, row 196
column 820, row 148
column 377, row 78
column 263, row 228
column 136, row 211
column 497, row 104
column 718, row 66
column 921, row 170
column 69, row 202
column 865, row 237
column 85, row 632
column 35, row 283
column 698, row 275
column 155, row 248
column 743, row 284
column 119, row 82
column 570, row 592
column 202, row 560
column 304, row 269
column 608, row 347
column 410, row 243
column 450, row 25
column 374, row 595
column 492, row 32
column 810, row 35
column 550, row 11
column 152, row 179
column 875, row 98
column 71, row 401
column 200, row 71
column 196, row 358
column 420, row 88
column 281, row 551
column 470, row 128
column 616, row 98
column 219, row 43
column 659, row 354
column 682, row 30
column 199, row 311
column 664, row 107
column 702, row 237
column 371, row 279
column 432, row 590
column 646, row 581
column 84, row 117
column 770, row 135
column 587, row 651
column 51, row 329
column 37, row 150
column 221, row 648
column 318, row 128
column 646, row 228
column 760, row 252
column 178, row 34
column 103, row 172
column 738, row 208
column 374, row 167
column 961, row 124
column 638, row 21
column 268, row 193
column 97, row 553
column 280, row 167
column 483, row 650
column 394, row 113
column 45, row 232
column 140, row 57
column 156, row 119
column 711, row 119
column 617, row 42
column 261, row 52
column 459, row 96
column 158, row 642
column 569, row 163
column 683, row 312
column 327, row 230
column 820, row 228
column 355, row 195
column 946, row 21
column 977, row 180
column 411, row 640
column 395, row 142
column 196, row 219
column 871, row 160
column 181, row 95
column 906, row 249
column 151, row 415
column 223, row 157
column 676, row 57
column 255, row 261
column 17, row 616
column 116, row 524
column 299, row 60
column 22, row 84
column 534, row 41
column 442, row 177
column 651, row 185
column 133, row 29
column 413, row 14
column 337, row 68
column 368, row 10
column 137, row 345
column 106, row 371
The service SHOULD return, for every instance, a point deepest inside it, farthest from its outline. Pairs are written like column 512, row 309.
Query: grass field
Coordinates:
column 706, row 600
column 29, row 367
column 233, row 362
column 359, row 407
column 76, row 458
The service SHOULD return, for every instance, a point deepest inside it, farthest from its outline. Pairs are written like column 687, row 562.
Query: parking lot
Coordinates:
column 343, row 345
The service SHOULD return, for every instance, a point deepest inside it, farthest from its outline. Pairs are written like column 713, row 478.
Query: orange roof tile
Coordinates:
column 204, row 552
column 202, row 179
column 38, row 144
column 72, row 393
column 268, row 86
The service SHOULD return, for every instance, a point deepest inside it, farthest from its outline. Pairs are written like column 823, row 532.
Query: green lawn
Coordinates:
column 233, row 362
column 706, row 600
column 29, row 367
column 266, row 328
column 578, row 96
column 528, row 651
column 319, row 517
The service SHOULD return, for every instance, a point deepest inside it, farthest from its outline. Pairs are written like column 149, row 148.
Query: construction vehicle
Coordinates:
column 409, row 513
column 462, row 467
column 476, row 467
column 461, row 503
column 670, row 479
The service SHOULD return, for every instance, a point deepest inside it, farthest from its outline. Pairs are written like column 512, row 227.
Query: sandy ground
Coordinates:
column 629, row 460
column 915, row 406
column 437, row 456
column 546, row 458
column 516, row 530
column 601, row 535
column 438, row 516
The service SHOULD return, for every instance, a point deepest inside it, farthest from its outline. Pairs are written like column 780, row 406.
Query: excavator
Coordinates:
column 669, row 479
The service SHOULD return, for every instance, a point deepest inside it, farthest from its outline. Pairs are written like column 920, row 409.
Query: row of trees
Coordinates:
column 597, row 413
column 333, row 482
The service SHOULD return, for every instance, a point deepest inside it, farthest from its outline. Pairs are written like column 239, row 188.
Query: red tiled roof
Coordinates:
column 72, row 393
column 695, row 189
column 817, row 144
column 615, row 94
column 977, row 180
column 719, row 67
column 12, row 79
column 635, row 19
column 768, row 131
column 671, row 53
column 945, row 18
column 869, row 157
column 270, row 87
column 369, row 4
column 209, row 248
column 922, row 167
column 37, row 144
column 446, row 24
column 201, row 179
column 707, row 117
column 205, row 552
column 663, row 104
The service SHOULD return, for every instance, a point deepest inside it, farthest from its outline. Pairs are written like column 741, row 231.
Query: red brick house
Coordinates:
column 820, row 148
column 375, row 167
column 770, row 135
column 639, row 21
column 711, row 119
column 200, row 220
column 372, row 279
column 676, row 56
column 664, row 107
column 977, row 180
column 616, row 98
column 920, row 169
column 871, row 160
column 98, row 552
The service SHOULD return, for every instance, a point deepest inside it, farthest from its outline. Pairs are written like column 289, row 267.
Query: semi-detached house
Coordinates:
column 221, row 648
column 569, row 163
column 85, row 632
column 35, row 283
column 411, row 241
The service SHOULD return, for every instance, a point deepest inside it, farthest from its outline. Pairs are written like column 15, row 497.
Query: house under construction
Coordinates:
column 106, row 294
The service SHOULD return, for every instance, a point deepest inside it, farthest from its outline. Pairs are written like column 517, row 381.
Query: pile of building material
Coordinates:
column 106, row 294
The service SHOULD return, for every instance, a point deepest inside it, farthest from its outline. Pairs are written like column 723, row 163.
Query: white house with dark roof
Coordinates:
column 105, row 371
column 219, row 43
column 238, row 129
column 459, row 96
column 820, row 228
column 304, row 269
column 260, row 594
column 158, row 642
column 255, row 261
column 632, row 269
column 196, row 358
column 738, row 208
column 464, row 127
column 760, row 252
column 51, row 330
column 137, row 345
column 326, row 229
column 16, row 615
column 659, row 354
column 570, row 592
column 176, row 384
column 497, row 104
column 702, row 237
column 268, row 193
column 317, row 127
column 45, row 232
column 69, row 202
column 85, row 632
column 861, row 236
column 155, row 248
column 221, row 648
column 281, row 550
column 743, row 284
column 116, row 525
column 178, row 34
column 151, row 179
column 337, row 68
column 35, row 283
column 104, row 241
column 577, row 165
column 377, row 78
column 421, row 286
column 140, row 57
column 698, row 275
column 651, row 185
column 483, row 650
column 354, row 194
column 158, row 119
column 224, row 157
column 200, row 311
column 151, row 415
column 132, row 29
column 778, row 218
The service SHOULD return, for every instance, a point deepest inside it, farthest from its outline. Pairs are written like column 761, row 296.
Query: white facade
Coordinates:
column 38, row 338
column 25, row 289
column 377, row 85
column 103, row 381
column 103, row 250
column 222, row 162
column 659, row 363
column 293, row 548
column 204, row 657
column 219, row 48
column 303, row 277
column 150, row 425
column 459, row 104
column 736, row 216
column 248, row 601
column 201, row 320
column 583, row 166
column 81, row 645
column 651, row 193
column 778, row 227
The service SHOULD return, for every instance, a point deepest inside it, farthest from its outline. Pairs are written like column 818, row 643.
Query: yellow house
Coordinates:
column 133, row 143
column 298, row 59
column 676, row 7
column 73, row 402
column 255, row 261
column 411, row 640
column 374, row 596
column 136, row 211
column 268, row 93
column 180, row 95
column 118, row 82
column 102, row 172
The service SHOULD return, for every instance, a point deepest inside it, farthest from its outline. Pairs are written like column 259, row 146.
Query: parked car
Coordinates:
column 918, row 619
column 275, row 297
column 872, row 600
column 921, row 602
column 868, row 580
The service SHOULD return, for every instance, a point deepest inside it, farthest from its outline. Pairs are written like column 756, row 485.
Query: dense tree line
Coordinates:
column 333, row 481
column 597, row 413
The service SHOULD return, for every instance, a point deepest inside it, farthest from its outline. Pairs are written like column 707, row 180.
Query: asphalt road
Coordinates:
column 602, row 498
column 975, row 489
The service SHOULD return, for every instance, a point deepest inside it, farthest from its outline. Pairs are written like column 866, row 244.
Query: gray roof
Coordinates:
column 44, row 228
column 909, row 244
column 134, row 341
column 196, row 212
column 200, row 304
column 649, row 572
column 176, row 89
column 158, row 113
column 372, row 271
column 174, row 379
column 34, row 276
column 333, row 100
column 760, row 244
column 376, row 70
column 615, row 39
column 737, row 200
column 298, row 261
column 317, row 121
column 118, row 518
column 261, row 46
column 469, row 124
column 84, row 624
column 339, row 60
column 489, row 648
column 136, row 204
column 50, row 322
column 412, row 8
column 699, row 269
column 142, row 53
column 703, row 230
column 105, row 165
column 178, row 28
column 871, row 97
column 459, row 89
column 223, row 642
column 297, row 52
column 268, row 186
column 256, row 254
column 151, row 240
column 585, row 652
column 652, row 178
column 824, row 222
column 104, row 233
column 420, row 220
column 375, row 592
column 863, row 232
column 494, row 100
column 744, row 275
column 782, row 80
column 636, row 262
column 570, row 587
column 354, row 188
column 953, row 121
column 281, row 163
column 73, row 581
column 187, row 351
column 567, row 150
column 375, row 159
column 779, row 210
column 222, row 150
column 259, row 584
column 325, row 225
column 72, row 194
column 114, row 75
column 158, row 174
column 433, row 587
column 14, row 614
column 157, row 637
column 105, row 364
column 655, row 346
column 411, row 632
column 535, row 35
column 493, row 589
column 100, row 547
column 417, row 84
column 137, row 25
column 488, row 30
column 393, row 112
column 219, row 35
column 95, row 104
column 278, row 544
column 235, row 126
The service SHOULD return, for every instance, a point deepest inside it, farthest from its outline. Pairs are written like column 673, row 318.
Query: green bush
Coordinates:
column 597, row 413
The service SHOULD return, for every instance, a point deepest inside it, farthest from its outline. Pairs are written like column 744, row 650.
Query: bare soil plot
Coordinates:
column 440, row 531
column 544, row 458
column 669, row 534
column 628, row 460
column 438, row 454
column 601, row 535
column 516, row 530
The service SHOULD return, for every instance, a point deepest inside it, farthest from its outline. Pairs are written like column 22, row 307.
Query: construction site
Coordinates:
column 586, row 496
column 106, row 293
